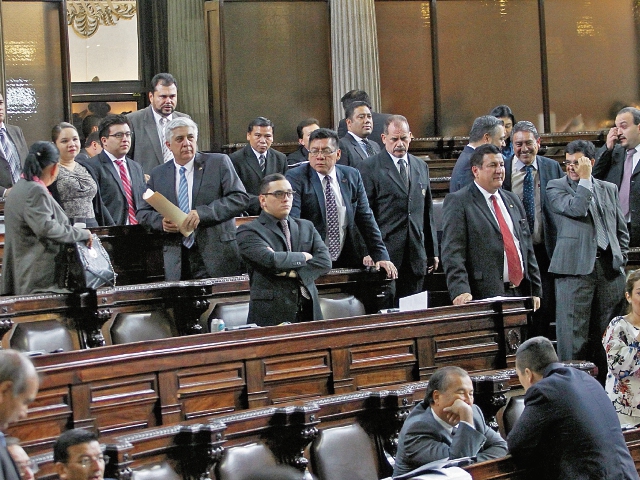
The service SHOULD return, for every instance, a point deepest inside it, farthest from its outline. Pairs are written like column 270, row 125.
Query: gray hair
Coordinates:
column 16, row 367
column 485, row 125
column 525, row 126
column 177, row 123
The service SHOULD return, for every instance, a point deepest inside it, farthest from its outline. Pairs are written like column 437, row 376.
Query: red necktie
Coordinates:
column 513, row 260
column 126, row 185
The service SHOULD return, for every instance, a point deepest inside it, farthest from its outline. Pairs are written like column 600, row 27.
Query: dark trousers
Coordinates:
column 192, row 265
column 546, row 314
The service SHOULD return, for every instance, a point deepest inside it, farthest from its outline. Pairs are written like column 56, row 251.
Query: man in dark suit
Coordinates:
column 379, row 119
column 399, row 193
column 485, row 129
column 92, row 147
column 18, row 388
column 617, row 162
column 303, row 129
column 257, row 160
column 589, row 258
column 569, row 428
column 285, row 255
column 446, row 424
column 207, row 188
column 13, row 152
column 486, row 244
column 148, row 146
column 529, row 172
column 354, row 145
column 120, row 179
column 357, row 236
column 77, row 455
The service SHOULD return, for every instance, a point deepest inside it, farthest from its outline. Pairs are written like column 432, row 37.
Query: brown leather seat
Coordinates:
column 233, row 313
column 340, row 305
column 141, row 326
column 162, row 471
column 245, row 463
column 47, row 336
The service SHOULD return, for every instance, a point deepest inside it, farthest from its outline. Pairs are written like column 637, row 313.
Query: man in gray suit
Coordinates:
column 148, row 146
column 13, row 151
column 589, row 257
column 354, row 145
column 19, row 385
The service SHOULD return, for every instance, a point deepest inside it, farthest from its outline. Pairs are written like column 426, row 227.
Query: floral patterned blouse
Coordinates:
column 77, row 189
column 623, row 360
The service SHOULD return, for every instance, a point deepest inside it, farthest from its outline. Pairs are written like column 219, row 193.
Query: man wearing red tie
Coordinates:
column 486, row 243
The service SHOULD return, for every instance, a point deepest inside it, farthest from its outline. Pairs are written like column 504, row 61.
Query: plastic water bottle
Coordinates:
column 217, row 325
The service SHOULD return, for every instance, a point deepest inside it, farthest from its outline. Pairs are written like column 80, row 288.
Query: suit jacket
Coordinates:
column 110, row 186
column 8, row 468
column 146, row 148
column 576, row 246
column 218, row 196
column 246, row 164
column 274, row 299
column 609, row 167
column 17, row 137
column 548, row 169
column 423, row 440
column 404, row 216
column 36, row 231
column 569, row 429
column 461, row 176
column 379, row 120
column 309, row 203
column 352, row 153
column 472, row 245
column 296, row 158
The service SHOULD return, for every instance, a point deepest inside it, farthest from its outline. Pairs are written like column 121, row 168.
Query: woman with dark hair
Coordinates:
column 503, row 112
column 75, row 189
column 622, row 344
column 36, row 227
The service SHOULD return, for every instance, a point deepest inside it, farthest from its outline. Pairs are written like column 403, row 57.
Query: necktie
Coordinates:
column 528, row 199
column 183, row 203
column 333, row 226
column 262, row 161
column 513, row 260
column 126, row 185
column 284, row 226
column 403, row 171
column 601, row 234
column 625, row 185
column 367, row 147
column 10, row 155
column 166, row 153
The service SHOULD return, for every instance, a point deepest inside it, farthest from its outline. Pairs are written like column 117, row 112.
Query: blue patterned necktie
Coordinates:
column 10, row 155
column 368, row 148
column 183, row 203
column 528, row 198
column 333, row 226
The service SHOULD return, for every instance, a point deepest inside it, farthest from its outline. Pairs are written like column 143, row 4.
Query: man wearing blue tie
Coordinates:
column 207, row 188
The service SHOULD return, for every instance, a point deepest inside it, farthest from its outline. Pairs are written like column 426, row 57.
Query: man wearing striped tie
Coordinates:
column 12, row 154
column 208, row 189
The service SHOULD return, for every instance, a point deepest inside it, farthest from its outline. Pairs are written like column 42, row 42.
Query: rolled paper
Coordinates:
column 167, row 209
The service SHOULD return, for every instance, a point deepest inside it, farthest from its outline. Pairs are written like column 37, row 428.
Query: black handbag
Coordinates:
column 88, row 268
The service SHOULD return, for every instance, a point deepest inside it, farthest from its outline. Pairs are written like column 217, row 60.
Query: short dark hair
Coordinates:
column 89, row 122
column 41, row 155
column 274, row 177
column 323, row 133
column 635, row 113
column 477, row 159
column 93, row 137
column 165, row 79
column 486, row 124
column 354, row 96
column 351, row 108
column 260, row 122
column 536, row 354
column 525, row 126
column 396, row 120
column 584, row 146
column 440, row 381
column 502, row 111
column 69, row 438
column 110, row 120
column 305, row 123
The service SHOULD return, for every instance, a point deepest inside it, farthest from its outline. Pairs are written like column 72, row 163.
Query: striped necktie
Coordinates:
column 10, row 155
column 183, row 203
column 126, row 185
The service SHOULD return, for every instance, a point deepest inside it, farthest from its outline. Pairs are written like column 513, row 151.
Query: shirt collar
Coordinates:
column 396, row 159
column 112, row 157
column 188, row 166
column 519, row 165
column 358, row 139
column 257, row 154
column 442, row 423
column 485, row 193
column 157, row 116
column 332, row 174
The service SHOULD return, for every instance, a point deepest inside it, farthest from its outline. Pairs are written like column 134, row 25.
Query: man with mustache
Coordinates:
column 399, row 193
column 617, row 162
column 486, row 244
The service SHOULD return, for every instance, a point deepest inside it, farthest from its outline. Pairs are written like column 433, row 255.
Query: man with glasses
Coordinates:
column 355, row 145
column 284, row 255
column 120, row 179
column 589, row 258
column 77, row 455
column 207, row 188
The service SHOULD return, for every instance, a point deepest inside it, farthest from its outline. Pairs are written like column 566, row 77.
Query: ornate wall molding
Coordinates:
column 85, row 16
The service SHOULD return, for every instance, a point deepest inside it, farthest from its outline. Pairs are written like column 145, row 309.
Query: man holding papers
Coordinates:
column 207, row 188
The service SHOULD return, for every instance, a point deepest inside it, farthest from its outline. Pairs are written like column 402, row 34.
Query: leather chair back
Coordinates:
column 47, row 336
column 161, row 470
column 141, row 326
column 245, row 463
column 233, row 313
column 512, row 412
column 340, row 305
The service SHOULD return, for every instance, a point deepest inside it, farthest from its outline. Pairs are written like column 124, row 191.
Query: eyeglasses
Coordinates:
column 30, row 464
column 573, row 164
column 121, row 135
column 325, row 152
column 86, row 461
column 281, row 194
